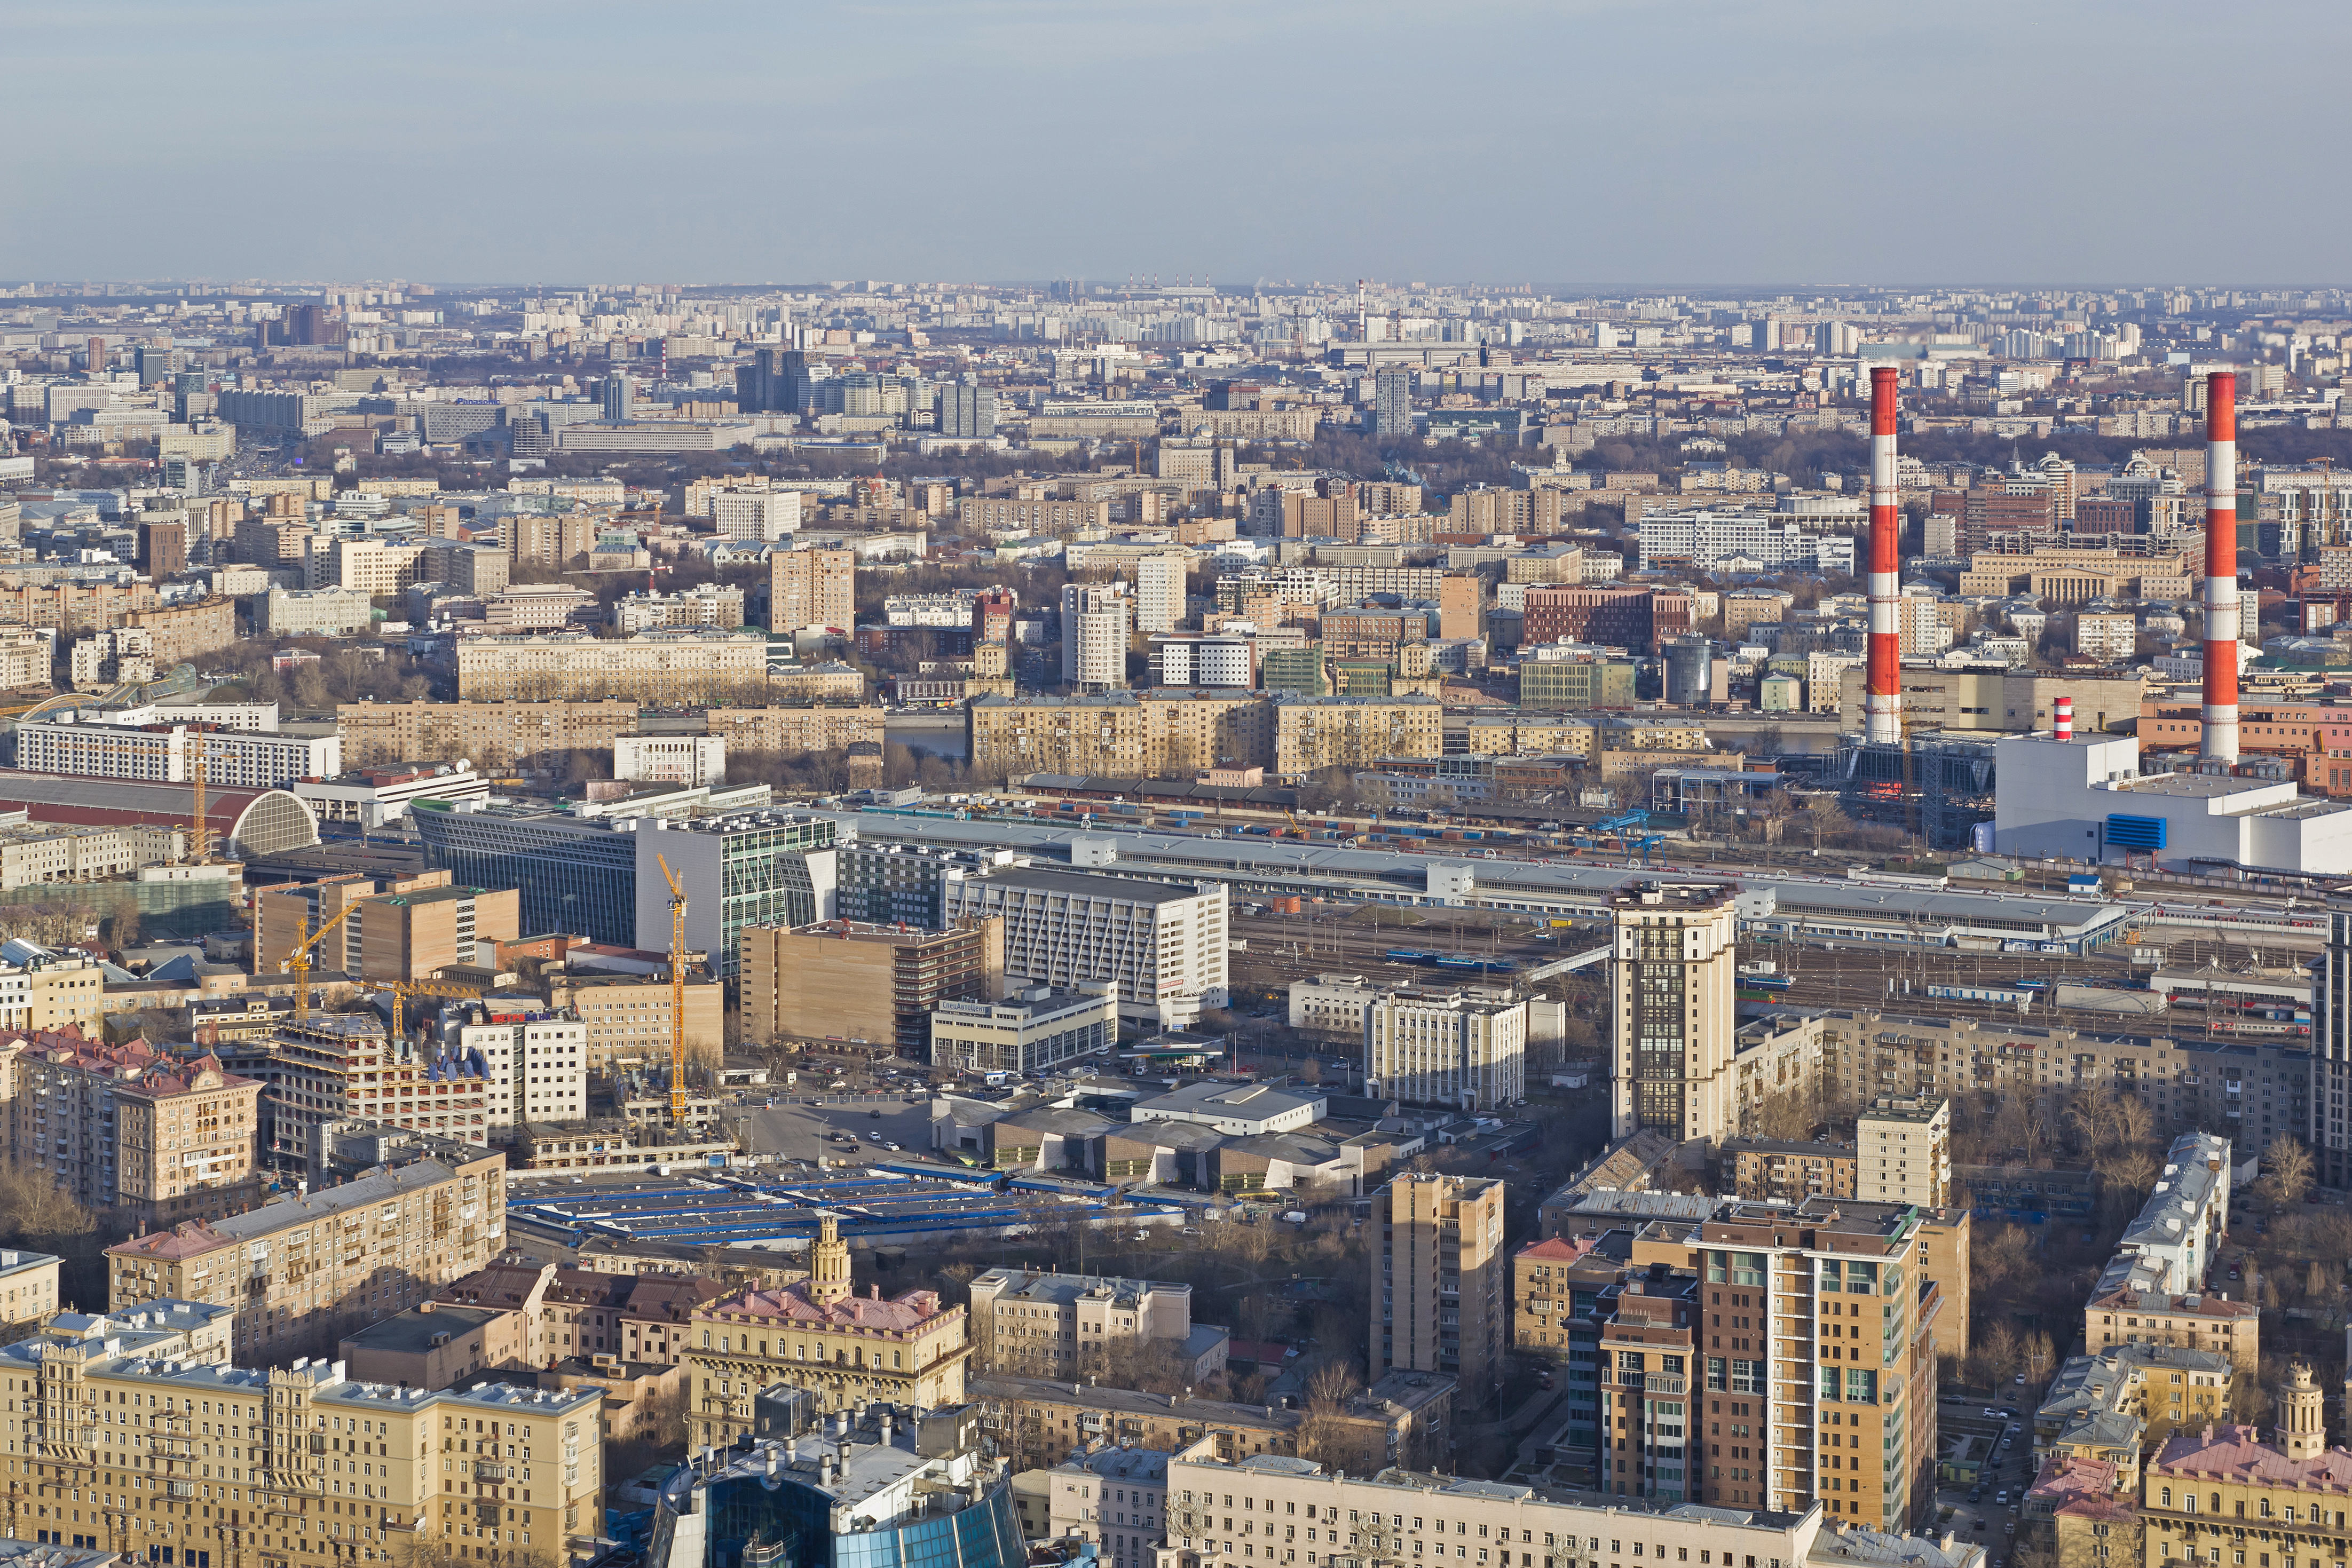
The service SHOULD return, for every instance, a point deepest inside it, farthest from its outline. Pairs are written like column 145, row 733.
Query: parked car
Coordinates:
column 2000, row 1497
column 1992, row 1414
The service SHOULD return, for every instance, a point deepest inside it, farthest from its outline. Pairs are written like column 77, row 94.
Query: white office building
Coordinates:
column 1163, row 945
column 1188, row 659
column 688, row 759
column 1765, row 541
column 243, row 760
column 760, row 517
column 1466, row 1049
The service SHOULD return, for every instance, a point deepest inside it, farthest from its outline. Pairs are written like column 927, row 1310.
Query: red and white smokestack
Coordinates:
column 2062, row 719
column 1883, row 695
column 2220, row 729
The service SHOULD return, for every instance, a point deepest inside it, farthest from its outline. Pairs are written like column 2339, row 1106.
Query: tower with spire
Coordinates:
column 828, row 1279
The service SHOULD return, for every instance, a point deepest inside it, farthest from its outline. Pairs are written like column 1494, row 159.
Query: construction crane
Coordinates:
column 200, row 833
column 677, row 993
column 402, row 990
column 298, row 960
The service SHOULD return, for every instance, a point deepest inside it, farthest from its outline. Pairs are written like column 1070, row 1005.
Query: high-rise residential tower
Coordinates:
column 811, row 588
column 1673, row 1016
column 1441, row 1286
column 1096, row 617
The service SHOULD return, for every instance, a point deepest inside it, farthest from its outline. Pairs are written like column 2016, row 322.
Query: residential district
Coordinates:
column 1174, row 926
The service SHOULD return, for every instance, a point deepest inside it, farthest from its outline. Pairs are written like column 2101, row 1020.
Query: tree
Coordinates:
column 1785, row 1116
column 1824, row 816
column 2291, row 1170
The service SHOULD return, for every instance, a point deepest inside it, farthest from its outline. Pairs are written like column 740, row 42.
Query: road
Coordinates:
column 800, row 1132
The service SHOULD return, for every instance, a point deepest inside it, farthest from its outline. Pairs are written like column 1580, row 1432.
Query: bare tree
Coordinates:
column 2291, row 1170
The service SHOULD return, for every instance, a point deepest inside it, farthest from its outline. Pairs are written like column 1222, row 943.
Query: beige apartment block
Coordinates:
column 674, row 667
column 61, row 993
column 496, row 735
column 73, row 607
column 1314, row 733
column 24, row 659
column 374, row 567
column 853, row 980
column 817, row 1333
column 794, row 731
column 829, row 682
column 326, row 1470
column 285, row 914
column 1904, row 1151
column 628, row 1017
column 1440, row 1281
column 179, row 632
column 811, row 588
column 1067, row 1326
column 301, row 1272
column 128, row 1132
column 414, row 935
column 2208, row 1321
column 1162, row 732
column 28, row 1286
column 41, row 852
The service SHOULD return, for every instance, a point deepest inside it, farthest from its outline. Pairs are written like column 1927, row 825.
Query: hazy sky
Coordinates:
column 1577, row 143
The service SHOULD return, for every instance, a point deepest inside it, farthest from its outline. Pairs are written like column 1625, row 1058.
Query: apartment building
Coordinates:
column 1466, row 1049
column 535, row 1063
column 131, row 1132
column 849, row 979
column 505, row 735
column 810, row 588
column 2144, row 1311
column 1638, row 618
column 2327, row 1134
column 762, row 517
column 28, row 1286
column 977, row 515
column 1813, row 1329
column 672, row 667
column 2258, row 1088
column 301, row 1272
column 1671, row 977
column 1904, row 1151
column 1116, row 1498
column 1163, row 945
column 2208, row 1483
column 324, row 1469
column 563, row 1312
column 817, row 1333
column 73, row 607
column 33, row 853
column 708, row 604
column 1162, row 732
column 628, row 1017
column 1764, row 1169
column 360, row 563
column 1400, row 1515
column 1440, row 1281
column 241, row 759
column 315, row 612
column 1314, row 733
column 1095, row 619
column 1543, row 1300
column 1073, row 1326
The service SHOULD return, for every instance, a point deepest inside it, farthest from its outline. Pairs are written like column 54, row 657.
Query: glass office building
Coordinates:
column 883, row 1493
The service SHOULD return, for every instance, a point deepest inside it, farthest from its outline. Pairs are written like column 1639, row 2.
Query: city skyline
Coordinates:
column 1569, row 147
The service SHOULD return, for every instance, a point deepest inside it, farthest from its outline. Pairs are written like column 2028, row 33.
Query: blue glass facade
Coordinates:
column 575, row 877
column 755, row 1520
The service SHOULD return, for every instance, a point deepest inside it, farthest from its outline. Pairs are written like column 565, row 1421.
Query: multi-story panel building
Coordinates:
column 1161, row 945
column 1313, row 733
column 1116, row 1498
column 1024, row 517
column 847, row 979
column 1095, row 619
column 322, row 1468
column 232, row 760
column 1764, row 1168
column 672, row 667
column 817, row 1333
column 1066, row 1326
column 811, row 588
column 359, row 564
column 1467, row 1048
column 1672, row 979
column 535, row 1061
column 1162, row 732
column 298, row 1275
column 765, row 516
column 1904, row 1151
column 628, row 1017
column 496, row 736
column 128, row 1131
column 711, row 604
column 1440, row 1290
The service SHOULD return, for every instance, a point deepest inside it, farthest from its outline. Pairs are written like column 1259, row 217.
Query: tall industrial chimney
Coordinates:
column 2220, row 737
column 1883, row 695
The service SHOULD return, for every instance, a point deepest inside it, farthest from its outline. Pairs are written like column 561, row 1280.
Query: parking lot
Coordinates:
column 795, row 1130
column 1979, row 1513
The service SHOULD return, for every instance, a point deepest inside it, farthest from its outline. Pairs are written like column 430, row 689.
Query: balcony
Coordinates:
column 180, row 1489
column 483, row 1470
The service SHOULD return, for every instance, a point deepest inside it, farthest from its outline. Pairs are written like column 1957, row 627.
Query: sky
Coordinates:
column 1580, row 144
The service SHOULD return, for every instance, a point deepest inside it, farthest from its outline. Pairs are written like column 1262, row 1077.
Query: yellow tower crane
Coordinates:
column 200, row 831
column 461, row 990
column 299, row 959
column 677, row 993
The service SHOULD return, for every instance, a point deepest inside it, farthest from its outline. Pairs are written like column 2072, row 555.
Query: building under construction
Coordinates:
column 1938, row 785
